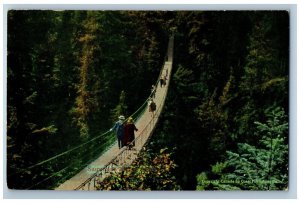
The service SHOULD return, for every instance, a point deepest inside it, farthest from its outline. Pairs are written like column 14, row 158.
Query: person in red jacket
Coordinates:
column 129, row 129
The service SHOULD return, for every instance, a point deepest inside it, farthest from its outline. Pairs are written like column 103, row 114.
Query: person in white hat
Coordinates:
column 119, row 128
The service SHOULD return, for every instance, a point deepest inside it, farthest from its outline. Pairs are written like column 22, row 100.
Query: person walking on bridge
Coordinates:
column 153, row 91
column 165, row 80
column 129, row 129
column 161, row 80
column 119, row 129
column 151, row 106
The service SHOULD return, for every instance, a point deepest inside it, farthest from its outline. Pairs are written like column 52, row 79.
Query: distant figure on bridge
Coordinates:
column 119, row 128
column 129, row 137
column 151, row 106
column 166, row 72
column 153, row 91
column 165, row 80
column 161, row 80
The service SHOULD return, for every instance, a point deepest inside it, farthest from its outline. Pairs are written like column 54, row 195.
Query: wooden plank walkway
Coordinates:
column 115, row 158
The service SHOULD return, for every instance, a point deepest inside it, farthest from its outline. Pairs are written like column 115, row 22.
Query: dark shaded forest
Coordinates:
column 225, row 121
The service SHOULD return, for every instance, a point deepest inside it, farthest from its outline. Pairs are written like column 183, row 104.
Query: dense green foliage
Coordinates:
column 229, row 68
column 149, row 171
column 71, row 73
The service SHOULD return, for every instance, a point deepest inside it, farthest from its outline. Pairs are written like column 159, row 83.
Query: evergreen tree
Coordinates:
column 86, row 100
column 262, row 167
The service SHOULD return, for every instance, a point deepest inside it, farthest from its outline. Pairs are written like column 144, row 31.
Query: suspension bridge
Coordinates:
column 113, row 158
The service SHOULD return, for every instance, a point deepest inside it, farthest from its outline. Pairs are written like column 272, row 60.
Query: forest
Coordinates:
column 224, row 126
